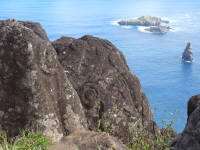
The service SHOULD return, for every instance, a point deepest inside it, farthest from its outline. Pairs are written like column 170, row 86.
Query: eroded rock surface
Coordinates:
column 193, row 103
column 34, row 90
column 110, row 94
column 190, row 138
column 87, row 140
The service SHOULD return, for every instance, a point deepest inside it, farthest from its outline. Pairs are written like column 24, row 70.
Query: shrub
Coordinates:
column 28, row 140
column 141, row 139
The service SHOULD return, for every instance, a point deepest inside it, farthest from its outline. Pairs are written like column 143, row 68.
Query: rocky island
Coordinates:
column 158, row 29
column 187, row 54
column 153, row 24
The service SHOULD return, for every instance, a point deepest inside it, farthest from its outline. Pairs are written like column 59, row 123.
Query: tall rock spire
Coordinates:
column 187, row 54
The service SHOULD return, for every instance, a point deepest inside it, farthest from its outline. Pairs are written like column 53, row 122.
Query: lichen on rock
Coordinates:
column 110, row 94
column 34, row 89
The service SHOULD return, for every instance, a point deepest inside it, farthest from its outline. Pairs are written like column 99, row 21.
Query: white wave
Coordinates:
column 175, row 29
column 115, row 23
column 187, row 61
column 127, row 27
column 185, row 22
column 142, row 29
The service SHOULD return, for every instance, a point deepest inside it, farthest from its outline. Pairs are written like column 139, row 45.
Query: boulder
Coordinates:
column 34, row 89
column 187, row 54
column 189, row 139
column 111, row 95
column 143, row 21
column 34, row 26
column 87, row 140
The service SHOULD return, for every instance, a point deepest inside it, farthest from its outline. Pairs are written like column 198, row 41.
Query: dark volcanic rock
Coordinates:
column 158, row 29
column 112, row 97
column 190, row 138
column 193, row 103
column 34, row 90
column 87, row 140
column 34, row 26
column 187, row 54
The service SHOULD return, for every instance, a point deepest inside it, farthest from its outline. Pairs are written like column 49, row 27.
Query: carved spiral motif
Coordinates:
column 89, row 94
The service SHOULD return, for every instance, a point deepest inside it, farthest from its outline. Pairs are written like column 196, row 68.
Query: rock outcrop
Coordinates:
column 34, row 90
column 143, row 21
column 110, row 94
column 87, row 140
column 158, row 29
column 193, row 103
column 190, row 138
column 187, row 54
column 67, row 85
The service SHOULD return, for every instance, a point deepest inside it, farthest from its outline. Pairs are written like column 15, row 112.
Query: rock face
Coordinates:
column 34, row 90
column 187, row 54
column 87, row 140
column 158, row 29
column 190, row 139
column 111, row 96
column 193, row 103
column 143, row 21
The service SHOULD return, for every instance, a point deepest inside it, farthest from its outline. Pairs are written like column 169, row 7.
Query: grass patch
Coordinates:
column 28, row 140
column 142, row 139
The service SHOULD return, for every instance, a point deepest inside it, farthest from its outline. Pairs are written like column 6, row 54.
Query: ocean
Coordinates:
column 155, row 59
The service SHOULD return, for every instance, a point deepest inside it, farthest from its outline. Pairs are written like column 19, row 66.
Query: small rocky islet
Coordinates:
column 72, row 88
column 151, row 24
column 188, row 54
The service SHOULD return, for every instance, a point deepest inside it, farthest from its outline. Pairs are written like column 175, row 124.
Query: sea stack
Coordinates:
column 187, row 54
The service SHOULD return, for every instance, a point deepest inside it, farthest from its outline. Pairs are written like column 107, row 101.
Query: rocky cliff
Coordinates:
column 34, row 90
column 67, row 85
column 190, row 138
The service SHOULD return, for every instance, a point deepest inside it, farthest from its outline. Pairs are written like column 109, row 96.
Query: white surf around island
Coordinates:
column 185, row 61
column 143, row 29
column 115, row 23
column 190, row 62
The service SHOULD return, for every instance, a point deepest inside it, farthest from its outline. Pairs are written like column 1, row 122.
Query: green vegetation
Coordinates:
column 28, row 140
column 141, row 139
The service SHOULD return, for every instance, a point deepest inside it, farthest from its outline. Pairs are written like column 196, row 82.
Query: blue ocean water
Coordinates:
column 155, row 59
